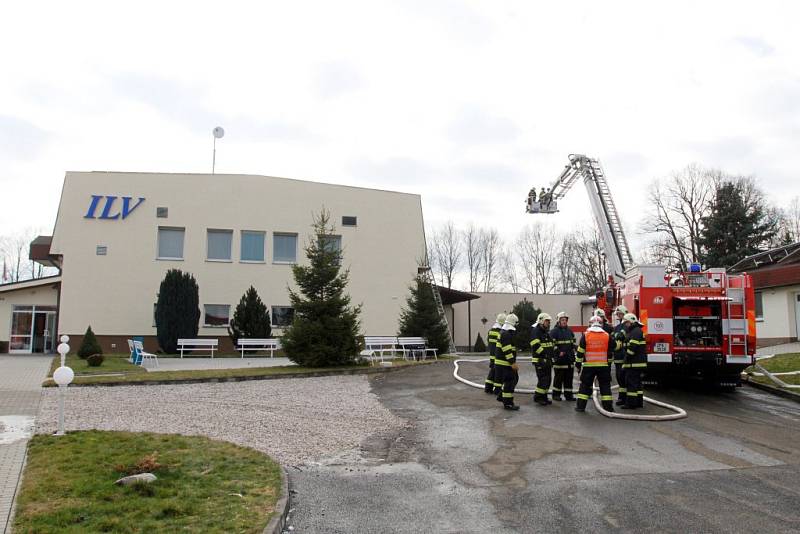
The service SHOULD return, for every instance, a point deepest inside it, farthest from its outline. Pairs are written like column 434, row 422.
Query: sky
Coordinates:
column 469, row 104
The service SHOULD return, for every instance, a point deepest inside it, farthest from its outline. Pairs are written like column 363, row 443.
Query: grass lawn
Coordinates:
column 203, row 485
column 155, row 376
column 778, row 364
column 114, row 363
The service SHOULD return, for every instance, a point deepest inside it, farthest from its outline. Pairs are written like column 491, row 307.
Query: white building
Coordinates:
column 116, row 235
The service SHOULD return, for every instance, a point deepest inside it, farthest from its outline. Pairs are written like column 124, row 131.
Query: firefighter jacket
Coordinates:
column 492, row 338
column 635, row 348
column 564, row 340
column 596, row 348
column 542, row 346
column 619, row 338
column 608, row 328
column 506, row 352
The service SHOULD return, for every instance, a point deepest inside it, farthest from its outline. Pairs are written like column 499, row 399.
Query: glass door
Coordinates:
column 33, row 329
column 21, row 327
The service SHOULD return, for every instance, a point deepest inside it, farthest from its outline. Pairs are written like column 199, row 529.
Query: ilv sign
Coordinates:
column 108, row 206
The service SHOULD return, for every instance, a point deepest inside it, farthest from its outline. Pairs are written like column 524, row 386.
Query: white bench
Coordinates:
column 409, row 344
column 379, row 345
column 198, row 344
column 259, row 344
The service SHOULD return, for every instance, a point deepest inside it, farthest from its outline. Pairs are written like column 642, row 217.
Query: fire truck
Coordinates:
column 698, row 323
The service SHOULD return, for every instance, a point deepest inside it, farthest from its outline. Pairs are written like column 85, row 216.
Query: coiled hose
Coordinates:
column 679, row 412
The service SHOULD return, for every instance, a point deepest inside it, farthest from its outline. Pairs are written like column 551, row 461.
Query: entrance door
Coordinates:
column 797, row 315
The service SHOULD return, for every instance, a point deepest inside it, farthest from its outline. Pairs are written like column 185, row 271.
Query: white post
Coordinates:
column 60, row 431
column 62, row 376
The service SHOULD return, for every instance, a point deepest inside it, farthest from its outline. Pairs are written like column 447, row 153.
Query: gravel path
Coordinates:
column 292, row 420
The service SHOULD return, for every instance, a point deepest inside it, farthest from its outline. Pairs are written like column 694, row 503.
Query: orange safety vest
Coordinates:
column 596, row 348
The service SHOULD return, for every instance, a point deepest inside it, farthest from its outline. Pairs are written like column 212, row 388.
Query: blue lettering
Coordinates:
column 107, row 209
column 92, row 206
column 126, row 209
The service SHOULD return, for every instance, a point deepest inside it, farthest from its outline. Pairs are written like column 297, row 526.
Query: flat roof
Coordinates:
column 27, row 284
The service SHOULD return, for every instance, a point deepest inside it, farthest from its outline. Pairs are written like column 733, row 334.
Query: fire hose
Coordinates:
column 679, row 412
column 774, row 376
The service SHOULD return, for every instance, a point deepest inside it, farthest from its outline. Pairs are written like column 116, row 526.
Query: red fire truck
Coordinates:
column 698, row 323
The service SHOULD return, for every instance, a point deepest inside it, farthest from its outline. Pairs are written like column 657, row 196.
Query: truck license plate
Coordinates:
column 661, row 347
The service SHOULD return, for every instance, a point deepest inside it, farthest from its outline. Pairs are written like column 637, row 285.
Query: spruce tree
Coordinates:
column 421, row 317
column 527, row 314
column 250, row 319
column 89, row 344
column 325, row 327
column 177, row 309
column 480, row 344
column 738, row 225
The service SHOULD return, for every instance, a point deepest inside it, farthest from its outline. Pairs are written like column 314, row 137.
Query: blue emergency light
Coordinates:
column 694, row 268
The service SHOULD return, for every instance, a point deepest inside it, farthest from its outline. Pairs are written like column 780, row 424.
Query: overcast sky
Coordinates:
column 469, row 104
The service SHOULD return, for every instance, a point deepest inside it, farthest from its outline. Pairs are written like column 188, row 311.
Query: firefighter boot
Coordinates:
column 580, row 406
column 607, row 405
column 512, row 407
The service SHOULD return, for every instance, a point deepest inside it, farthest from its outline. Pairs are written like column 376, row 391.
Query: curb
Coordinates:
column 278, row 521
column 770, row 389
column 277, row 376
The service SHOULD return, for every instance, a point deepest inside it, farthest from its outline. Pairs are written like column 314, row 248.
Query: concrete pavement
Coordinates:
column 20, row 391
column 465, row 465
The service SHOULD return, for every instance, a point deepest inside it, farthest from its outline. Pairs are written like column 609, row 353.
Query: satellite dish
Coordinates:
column 218, row 132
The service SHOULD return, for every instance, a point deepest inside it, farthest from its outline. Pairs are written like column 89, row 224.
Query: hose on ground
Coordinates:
column 774, row 376
column 679, row 412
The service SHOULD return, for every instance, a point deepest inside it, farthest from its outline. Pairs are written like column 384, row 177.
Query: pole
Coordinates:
column 214, row 158
column 61, row 411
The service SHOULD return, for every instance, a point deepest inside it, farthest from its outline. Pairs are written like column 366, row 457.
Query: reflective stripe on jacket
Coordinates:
column 542, row 346
column 635, row 348
column 507, row 352
column 492, row 338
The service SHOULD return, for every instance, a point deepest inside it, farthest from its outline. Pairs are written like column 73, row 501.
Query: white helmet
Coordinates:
column 501, row 318
column 595, row 320
column 543, row 317
column 621, row 309
column 600, row 312
column 559, row 315
column 512, row 319
column 631, row 317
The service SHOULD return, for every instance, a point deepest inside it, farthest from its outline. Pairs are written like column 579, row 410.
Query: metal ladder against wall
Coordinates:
column 736, row 299
column 427, row 276
column 610, row 208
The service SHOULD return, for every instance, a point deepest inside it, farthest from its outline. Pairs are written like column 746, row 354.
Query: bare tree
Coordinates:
column 790, row 222
column 582, row 262
column 491, row 252
column 510, row 276
column 473, row 255
column 537, row 249
column 677, row 206
column 446, row 251
column 14, row 256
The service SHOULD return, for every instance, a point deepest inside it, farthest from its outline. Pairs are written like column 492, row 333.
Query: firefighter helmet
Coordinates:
column 511, row 319
column 600, row 312
column 621, row 309
column 543, row 317
column 631, row 317
column 595, row 320
column 559, row 315
column 501, row 318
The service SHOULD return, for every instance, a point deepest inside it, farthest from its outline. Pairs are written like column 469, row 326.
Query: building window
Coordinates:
column 170, row 243
column 759, row 305
column 333, row 243
column 216, row 315
column 162, row 213
column 155, row 307
column 284, row 248
column 349, row 220
column 282, row 316
column 219, row 245
column 101, row 250
column 252, row 246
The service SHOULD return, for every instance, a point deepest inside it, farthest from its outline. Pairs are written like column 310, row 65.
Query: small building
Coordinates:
column 776, row 280
column 118, row 233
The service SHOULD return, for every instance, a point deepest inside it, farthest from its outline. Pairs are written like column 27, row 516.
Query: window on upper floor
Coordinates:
column 252, row 246
column 170, row 243
column 284, row 248
column 219, row 245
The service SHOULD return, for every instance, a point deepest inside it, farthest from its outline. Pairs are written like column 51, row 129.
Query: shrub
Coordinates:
column 95, row 360
column 325, row 327
column 421, row 317
column 89, row 345
column 480, row 346
column 177, row 309
column 146, row 464
column 527, row 314
column 251, row 318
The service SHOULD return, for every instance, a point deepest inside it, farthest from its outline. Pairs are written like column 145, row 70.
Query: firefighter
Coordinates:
column 506, row 356
column 542, row 349
column 635, row 361
column 564, row 340
column 491, row 339
column 600, row 312
column 619, row 353
column 595, row 350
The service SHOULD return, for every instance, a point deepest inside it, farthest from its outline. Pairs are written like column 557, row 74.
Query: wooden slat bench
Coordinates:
column 269, row 344
column 198, row 344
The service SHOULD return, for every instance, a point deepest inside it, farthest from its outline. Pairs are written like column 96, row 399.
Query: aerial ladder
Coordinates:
column 580, row 167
